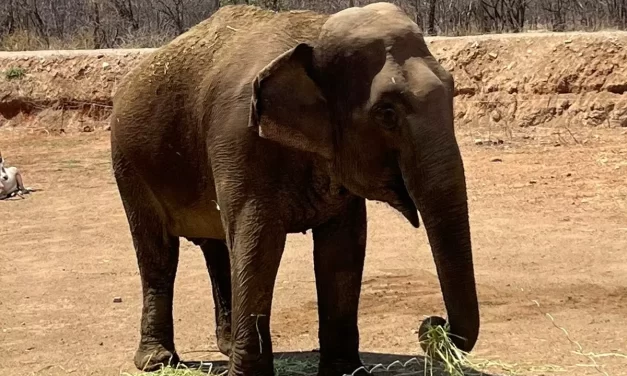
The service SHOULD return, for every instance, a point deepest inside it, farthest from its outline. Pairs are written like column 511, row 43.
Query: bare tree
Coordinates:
column 8, row 24
column 173, row 11
column 95, row 19
column 34, row 17
column 431, row 17
column 557, row 10
column 149, row 23
column 124, row 9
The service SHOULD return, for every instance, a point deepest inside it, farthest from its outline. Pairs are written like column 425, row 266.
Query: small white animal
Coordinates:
column 11, row 183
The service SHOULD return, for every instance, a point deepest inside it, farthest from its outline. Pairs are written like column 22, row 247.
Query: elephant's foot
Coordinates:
column 250, row 363
column 260, row 368
column 152, row 357
column 342, row 368
column 223, row 334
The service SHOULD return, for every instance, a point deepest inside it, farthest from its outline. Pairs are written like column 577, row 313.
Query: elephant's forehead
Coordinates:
column 367, row 13
column 357, row 28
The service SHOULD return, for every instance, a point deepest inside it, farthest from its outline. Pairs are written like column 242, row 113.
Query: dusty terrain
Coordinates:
column 548, row 202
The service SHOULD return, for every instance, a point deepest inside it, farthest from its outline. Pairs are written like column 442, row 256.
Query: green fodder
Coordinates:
column 455, row 362
column 179, row 370
column 440, row 345
column 282, row 367
column 451, row 361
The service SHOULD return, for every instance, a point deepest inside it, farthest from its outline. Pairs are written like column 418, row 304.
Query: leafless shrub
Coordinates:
column 43, row 24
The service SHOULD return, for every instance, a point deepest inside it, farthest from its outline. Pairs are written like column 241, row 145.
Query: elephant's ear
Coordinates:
column 288, row 106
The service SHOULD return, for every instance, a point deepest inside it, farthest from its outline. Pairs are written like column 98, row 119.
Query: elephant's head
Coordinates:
column 370, row 98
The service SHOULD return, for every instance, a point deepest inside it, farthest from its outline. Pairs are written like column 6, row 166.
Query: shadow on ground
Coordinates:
column 306, row 364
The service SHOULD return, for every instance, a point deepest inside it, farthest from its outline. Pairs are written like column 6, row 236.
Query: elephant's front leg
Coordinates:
column 256, row 253
column 339, row 251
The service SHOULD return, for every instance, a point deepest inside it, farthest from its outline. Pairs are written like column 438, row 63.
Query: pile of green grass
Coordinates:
column 450, row 361
column 283, row 367
column 455, row 362
column 178, row 371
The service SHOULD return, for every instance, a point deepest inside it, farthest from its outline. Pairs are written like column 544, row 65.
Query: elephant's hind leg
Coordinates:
column 217, row 258
column 157, row 257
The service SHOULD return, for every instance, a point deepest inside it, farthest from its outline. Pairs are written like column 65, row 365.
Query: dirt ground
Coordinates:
column 548, row 205
column 549, row 223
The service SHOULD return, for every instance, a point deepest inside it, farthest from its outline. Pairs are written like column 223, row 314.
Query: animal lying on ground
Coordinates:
column 288, row 121
column 10, row 181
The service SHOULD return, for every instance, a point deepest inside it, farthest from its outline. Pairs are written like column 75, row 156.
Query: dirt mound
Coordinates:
column 61, row 90
column 520, row 80
column 527, row 80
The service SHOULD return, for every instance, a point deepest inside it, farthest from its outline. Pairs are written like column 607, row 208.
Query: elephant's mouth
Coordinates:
column 403, row 203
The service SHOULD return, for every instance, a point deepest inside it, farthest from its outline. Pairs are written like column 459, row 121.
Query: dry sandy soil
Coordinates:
column 549, row 224
column 548, row 214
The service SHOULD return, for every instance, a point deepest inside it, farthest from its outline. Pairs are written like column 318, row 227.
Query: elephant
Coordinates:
column 273, row 123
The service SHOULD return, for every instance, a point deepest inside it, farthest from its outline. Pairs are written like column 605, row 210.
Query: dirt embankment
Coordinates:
column 506, row 80
column 528, row 80
column 61, row 91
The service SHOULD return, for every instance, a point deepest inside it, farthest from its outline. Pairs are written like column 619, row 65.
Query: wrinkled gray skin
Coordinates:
column 268, row 124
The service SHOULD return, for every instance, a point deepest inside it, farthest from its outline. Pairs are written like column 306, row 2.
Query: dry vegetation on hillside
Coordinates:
column 86, row 24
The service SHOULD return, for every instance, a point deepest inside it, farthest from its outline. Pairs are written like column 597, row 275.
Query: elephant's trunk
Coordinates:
column 438, row 189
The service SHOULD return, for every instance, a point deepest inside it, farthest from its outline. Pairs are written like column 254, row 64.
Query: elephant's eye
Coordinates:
column 386, row 116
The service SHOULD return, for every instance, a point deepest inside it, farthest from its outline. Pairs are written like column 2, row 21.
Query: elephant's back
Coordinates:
column 223, row 52
column 164, row 107
column 230, row 34
column 169, row 98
